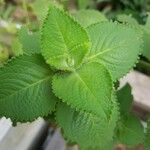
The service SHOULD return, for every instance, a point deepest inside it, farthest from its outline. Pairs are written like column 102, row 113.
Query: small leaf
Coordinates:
column 88, row 88
column 114, row 45
column 125, row 99
column 30, row 41
column 83, row 4
column 146, row 38
column 17, row 47
column 25, row 91
column 89, row 17
column 142, row 28
column 87, row 129
column 50, row 118
column 130, row 131
column 147, row 137
column 40, row 9
column 64, row 42
column 128, row 19
column 4, row 54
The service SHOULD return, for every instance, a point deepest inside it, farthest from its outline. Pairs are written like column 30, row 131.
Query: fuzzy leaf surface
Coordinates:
column 83, row 4
column 40, row 9
column 146, row 38
column 147, row 137
column 64, row 42
column 88, row 88
column 114, row 45
column 87, row 129
column 25, row 91
column 128, row 19
column 89, row 17
column 125, row 99
column 30, row 41
column 130, row 132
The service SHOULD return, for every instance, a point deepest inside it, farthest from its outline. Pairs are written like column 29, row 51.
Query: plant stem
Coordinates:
column 143, row 66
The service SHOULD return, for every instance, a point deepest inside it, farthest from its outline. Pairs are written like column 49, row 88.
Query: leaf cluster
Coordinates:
column 69, row 68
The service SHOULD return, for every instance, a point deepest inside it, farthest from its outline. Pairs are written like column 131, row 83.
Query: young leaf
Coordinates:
column 64, row 42
column 30, row 41
column 147, row 137
column 87, row 129
column 130, row 131
column 114, row 45
column 16, row 48
column 128, row 19
column 40, row 9
column 125, row 99
column 25, row 91
column 88, row 88
column 83, row 4
column 89, row 17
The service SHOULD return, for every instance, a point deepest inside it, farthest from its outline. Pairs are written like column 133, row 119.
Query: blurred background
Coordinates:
column 20, row 21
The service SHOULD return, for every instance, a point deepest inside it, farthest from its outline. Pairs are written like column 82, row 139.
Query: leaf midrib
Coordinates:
column 65, row 43
column 102, row 52
column 132, row 131
column 27, row 87
column 86, row 86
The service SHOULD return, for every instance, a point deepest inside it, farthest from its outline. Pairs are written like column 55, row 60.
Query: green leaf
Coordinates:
column 143, row 28
column 108, row 146
column 147, row 137
column 128, row 19
column 51, row 119
column 130, row 131
column 146, row 49
column 125, row 99
column 83, row 4
column 147, row 25
column 17, row 47
column 87, row 129
column 25, row 91
column 88, row 88
column 30, row 41
column 4, row 54
column 40, row 9
column 114, row 45
column 64, row 42
column 146, row 38
column 89, row 17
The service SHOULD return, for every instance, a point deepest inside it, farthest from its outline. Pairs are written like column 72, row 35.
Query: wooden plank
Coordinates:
column 24, row 136
column 5, row 125
column 56, row 142
column 140, row 84
column 140, row 88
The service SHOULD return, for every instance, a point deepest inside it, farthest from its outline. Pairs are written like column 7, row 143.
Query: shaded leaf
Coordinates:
column 89, row 17
column 146, row 38
column 87, row 129
column 30, row 41
column 125, row 99
column 25, row 91
column 147, row 137
column 130, row 131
